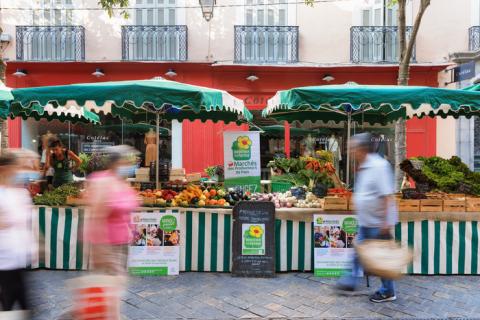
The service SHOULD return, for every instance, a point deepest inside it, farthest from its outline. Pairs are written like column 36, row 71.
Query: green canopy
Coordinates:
column 73, row 114
column 370, row 103
column 5, row 98
column 141, row 100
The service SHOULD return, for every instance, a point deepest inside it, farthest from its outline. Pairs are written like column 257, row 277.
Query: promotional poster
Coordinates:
column 242, row 160
column 154, row 247
column 333, row 241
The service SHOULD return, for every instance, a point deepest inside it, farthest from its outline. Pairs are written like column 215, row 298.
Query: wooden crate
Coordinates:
column 351, row 206
column 473, row 204
column 431, row 205
column 450, row 205
column 336, row 203
column 456, row 196
column 408, row 205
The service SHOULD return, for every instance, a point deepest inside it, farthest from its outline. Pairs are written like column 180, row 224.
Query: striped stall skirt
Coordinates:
column 439, row 247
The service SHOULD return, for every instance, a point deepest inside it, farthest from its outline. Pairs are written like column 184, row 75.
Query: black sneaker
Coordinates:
column 379, row 297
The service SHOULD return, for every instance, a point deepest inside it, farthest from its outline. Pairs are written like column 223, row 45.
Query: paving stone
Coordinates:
column 273, row 306
column 260, row 311
column 288, row 296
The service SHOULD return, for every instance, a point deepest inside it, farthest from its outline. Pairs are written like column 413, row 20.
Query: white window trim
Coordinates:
column 240, row 13
column 180, row 13
column 41, row 8
column 475, row 13
column 359, row 6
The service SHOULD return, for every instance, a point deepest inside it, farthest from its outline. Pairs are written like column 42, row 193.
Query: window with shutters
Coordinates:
column 155, row 12
column 376, row 38
column 474, row 31
column 52, row 35
column 155, row 35
column 266, row 36
column 53, row 13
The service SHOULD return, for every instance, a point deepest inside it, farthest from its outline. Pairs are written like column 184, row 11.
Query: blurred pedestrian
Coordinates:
column 17, row 168
column 111, row 200
column 59, row 159
column 375, row 208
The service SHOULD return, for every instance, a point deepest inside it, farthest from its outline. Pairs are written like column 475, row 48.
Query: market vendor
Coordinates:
column 59, row 159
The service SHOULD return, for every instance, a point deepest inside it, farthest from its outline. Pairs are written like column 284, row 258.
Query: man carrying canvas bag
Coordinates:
column 376, row 210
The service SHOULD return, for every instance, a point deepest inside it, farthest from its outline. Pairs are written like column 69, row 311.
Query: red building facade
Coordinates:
column 203, row 142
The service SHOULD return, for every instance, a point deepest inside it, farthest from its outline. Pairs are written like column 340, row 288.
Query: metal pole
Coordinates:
column 122, row 131
column 69, row 135
column 158, row 154
column 349, row 123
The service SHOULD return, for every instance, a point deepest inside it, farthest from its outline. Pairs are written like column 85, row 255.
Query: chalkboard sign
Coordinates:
column 254, row 239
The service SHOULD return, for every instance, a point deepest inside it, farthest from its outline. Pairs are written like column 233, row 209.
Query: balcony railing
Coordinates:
column 474, row 38
column 375, row 44
column 50, row 43
column 154, row 43
column 266, row 44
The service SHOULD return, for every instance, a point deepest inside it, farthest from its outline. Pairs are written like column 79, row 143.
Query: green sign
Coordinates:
column 242, row 160
column 349, row 225
column 253, row 239
column 168, row 223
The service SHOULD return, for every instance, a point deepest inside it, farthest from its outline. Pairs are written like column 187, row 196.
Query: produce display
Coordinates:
column 59, row 196
column 308, row 172
column 290, row 199
column 197, row 196
column 445, row 175
column 194, row 196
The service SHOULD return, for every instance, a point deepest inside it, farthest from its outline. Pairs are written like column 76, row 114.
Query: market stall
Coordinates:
column 443, row 243
column 444, row 240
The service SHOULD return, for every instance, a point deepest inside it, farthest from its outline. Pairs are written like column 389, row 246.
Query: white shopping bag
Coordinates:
column 97, row 296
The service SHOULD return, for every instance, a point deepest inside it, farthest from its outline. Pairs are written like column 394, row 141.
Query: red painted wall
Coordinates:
column 15, row 133
column 203, row 142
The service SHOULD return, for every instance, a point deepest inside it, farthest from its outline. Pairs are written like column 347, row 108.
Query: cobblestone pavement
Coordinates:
column 288, row 296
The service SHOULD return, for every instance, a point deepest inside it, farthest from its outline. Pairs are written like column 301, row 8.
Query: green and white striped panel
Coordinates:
column 293, row 245
column 206, row 241
column 57, row 234
column 441, row 247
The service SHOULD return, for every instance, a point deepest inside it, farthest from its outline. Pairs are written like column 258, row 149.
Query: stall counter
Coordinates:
column 443, row 242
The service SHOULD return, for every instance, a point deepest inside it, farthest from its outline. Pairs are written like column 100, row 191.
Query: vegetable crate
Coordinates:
column 281, row 186
column 473, row 204
column 336, row 203
column 431, row 205
column 454, row 205
column 408, row 205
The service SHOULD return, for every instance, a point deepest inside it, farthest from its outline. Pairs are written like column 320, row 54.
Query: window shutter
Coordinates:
column 171, row 17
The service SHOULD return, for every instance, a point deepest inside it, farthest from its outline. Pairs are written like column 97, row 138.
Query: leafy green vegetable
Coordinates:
column 450, row 175
column 57, row 197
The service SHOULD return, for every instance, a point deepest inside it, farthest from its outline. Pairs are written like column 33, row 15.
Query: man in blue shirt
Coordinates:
column 375, row 208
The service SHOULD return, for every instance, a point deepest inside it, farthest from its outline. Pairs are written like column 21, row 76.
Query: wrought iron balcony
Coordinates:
column 154, row 43
column 474, row 38
column 266, row 44
column 50, row 43
column 375, row 44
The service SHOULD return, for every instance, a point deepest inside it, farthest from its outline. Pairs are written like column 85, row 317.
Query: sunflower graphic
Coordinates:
column 244, row 142
column 255, row 231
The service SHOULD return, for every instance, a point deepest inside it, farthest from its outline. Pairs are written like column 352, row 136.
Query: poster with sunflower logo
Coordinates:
column 253, row 242
column 242, row 160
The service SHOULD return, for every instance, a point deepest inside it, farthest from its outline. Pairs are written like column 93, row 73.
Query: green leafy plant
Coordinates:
column 85, row 162
column 57, row 197
column 285, row 165
column 450, row 175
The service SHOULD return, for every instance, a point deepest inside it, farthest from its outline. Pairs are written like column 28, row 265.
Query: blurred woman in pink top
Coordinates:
column 111, row 200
